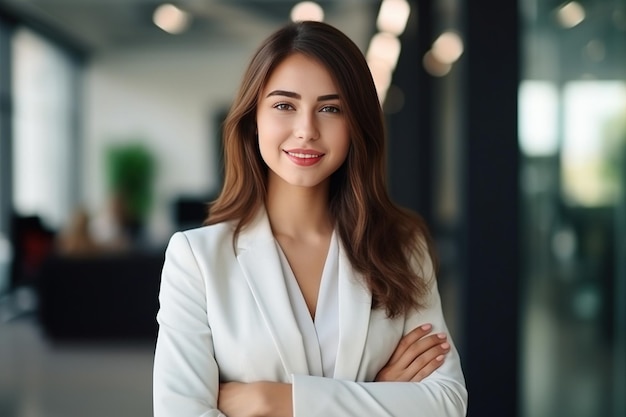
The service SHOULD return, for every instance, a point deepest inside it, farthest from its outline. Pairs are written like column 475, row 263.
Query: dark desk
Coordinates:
column 103, row 297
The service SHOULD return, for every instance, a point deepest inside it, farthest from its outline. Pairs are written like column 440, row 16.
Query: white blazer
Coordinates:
column 226, row 316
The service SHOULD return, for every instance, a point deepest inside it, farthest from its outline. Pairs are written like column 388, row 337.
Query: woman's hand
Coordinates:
column 256, row 399
column 416, row 356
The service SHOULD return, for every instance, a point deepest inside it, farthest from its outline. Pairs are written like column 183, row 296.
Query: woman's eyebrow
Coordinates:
column 284, row 93
column 297, row 96
column 328, row 97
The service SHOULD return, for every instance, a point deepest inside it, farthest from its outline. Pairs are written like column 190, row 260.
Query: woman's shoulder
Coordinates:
column 206, row 238
column 211, row 229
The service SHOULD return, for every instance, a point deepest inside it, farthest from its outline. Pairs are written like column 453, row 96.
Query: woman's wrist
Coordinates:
column 275, row 399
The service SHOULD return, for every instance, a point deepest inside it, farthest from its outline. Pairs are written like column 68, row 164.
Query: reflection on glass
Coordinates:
column 572, row 136
column 538, row 118
column 590, row 110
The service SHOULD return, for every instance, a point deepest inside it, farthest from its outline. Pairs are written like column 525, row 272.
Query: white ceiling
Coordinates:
column 95, row 25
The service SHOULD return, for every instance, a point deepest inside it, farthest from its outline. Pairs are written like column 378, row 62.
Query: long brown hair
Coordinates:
column 381, row 239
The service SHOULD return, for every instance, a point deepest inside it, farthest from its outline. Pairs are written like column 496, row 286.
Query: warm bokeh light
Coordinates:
column 171, row 19
column 448, row 47
column 433, row 66
column 570, row 14
column 382, row 56
column 384, row 47
column 382, row 77
column 307, row 10
column 393, row 16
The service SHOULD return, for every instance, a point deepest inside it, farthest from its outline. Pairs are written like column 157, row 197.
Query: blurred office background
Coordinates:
column 507, row 127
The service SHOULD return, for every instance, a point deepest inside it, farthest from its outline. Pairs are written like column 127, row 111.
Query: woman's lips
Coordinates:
column 304, row 157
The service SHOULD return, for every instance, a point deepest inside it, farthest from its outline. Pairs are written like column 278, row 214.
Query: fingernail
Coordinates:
column 445, row 345
column 439, row 358
column 441, row 335
column 426, row 327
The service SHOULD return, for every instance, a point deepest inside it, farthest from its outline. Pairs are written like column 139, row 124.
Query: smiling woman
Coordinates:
column 307, row 288
column 300, row 124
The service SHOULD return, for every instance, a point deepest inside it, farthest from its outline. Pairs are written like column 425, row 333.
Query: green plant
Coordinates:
column 130, row 175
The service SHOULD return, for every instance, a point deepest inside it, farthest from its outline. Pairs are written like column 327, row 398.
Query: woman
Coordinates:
column 308, row 293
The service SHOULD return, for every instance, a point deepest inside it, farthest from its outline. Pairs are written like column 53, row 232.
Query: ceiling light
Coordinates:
column 571, row 14
column 381, row 74
column 433, row 66
column 307, row 10
column 448, row 47
column 384, row 47
column 392, row 16
column 171, row 19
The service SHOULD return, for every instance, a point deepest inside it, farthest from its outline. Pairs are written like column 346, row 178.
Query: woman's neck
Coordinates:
column 298, row 212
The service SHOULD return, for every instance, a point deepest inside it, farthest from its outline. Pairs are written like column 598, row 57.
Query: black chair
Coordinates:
column 32, row 243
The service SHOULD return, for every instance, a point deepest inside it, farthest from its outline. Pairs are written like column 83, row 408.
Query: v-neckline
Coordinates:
column 292, row 276
column 319, row 332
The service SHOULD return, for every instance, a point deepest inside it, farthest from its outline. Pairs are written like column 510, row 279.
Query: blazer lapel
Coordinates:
column 355, row 302
column 260, row 262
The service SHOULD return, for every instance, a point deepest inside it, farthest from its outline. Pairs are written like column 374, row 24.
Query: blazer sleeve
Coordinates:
column 186, row 376
column 442, row 394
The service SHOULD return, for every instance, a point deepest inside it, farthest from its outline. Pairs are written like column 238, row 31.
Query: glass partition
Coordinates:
column 572, row 133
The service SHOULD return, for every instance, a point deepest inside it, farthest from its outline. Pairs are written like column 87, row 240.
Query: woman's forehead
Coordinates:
column 301, row 71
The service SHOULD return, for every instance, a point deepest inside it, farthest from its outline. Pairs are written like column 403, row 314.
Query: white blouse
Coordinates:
column 321, row 335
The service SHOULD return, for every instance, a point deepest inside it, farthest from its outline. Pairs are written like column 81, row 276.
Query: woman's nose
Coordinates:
column 306, row 127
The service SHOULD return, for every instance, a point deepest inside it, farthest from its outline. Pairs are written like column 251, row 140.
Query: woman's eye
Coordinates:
column 283, row 106
column 330, row 109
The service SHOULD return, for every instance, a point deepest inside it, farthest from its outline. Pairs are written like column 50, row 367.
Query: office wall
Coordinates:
column 166, row 99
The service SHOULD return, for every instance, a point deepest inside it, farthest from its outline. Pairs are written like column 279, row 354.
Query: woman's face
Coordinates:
column 302, row 127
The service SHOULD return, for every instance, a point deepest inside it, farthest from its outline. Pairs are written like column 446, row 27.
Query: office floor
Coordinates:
column 42, row 379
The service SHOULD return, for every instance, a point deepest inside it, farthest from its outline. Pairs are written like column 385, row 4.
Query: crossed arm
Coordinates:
column 417, row 355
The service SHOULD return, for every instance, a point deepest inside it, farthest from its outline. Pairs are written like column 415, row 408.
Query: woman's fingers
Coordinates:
column 415, row 352
column 416, row 356
column 408, row 341
column 426, row 363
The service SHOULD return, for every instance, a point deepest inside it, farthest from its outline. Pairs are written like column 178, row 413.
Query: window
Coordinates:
column 43, row 130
